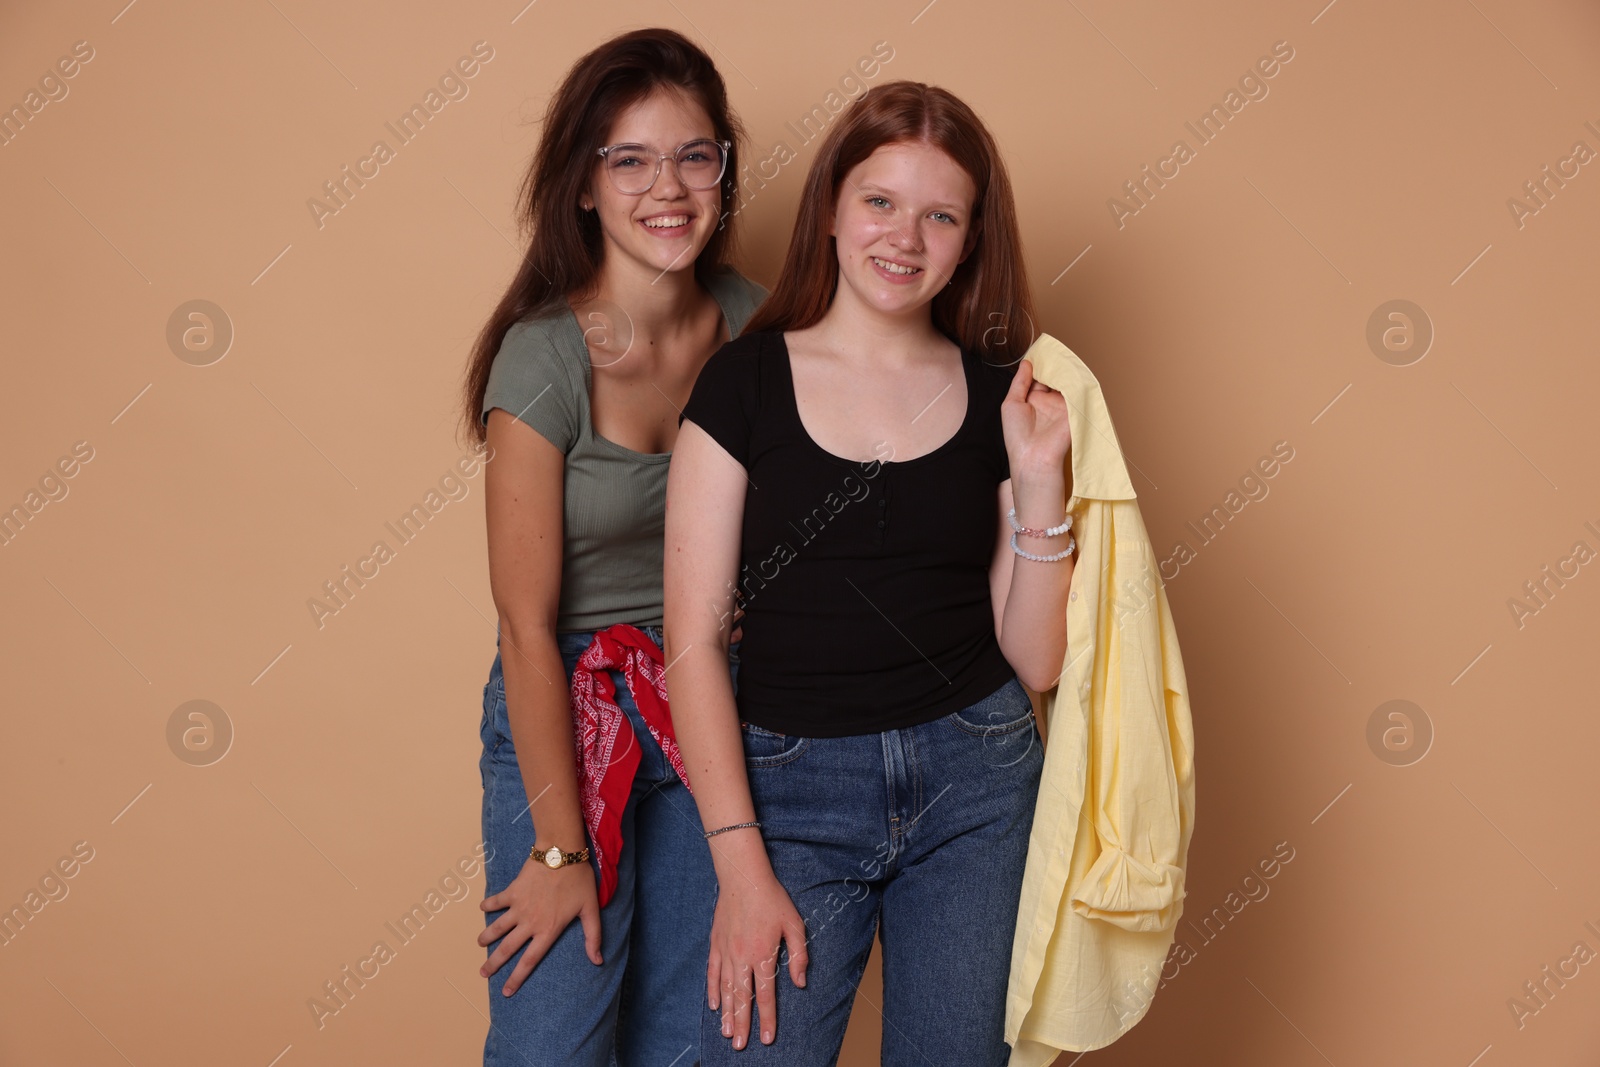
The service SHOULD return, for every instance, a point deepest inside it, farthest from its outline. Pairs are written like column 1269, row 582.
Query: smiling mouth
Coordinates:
column 896, row 268
column 666, row 222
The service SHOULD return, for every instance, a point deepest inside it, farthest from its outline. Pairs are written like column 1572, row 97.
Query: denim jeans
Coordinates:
column 641, row 1008
column 919, row 835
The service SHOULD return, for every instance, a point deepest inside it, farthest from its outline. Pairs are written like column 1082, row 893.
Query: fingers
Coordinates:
column 766, row 999
column 743, row 966
column 507, row 947
column 741, row 1007
column 1021, row 382
column 590, row 917
column 1024, row 384
column 495, row 930
column 799, row 958
column 537, row 947
column 728, row 998
column 739, row 990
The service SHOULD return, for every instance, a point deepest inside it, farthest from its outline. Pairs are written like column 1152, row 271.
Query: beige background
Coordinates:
column 1230, row 313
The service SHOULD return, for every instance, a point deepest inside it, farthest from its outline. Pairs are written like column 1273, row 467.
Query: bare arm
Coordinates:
column 705, row 500
column 1029, row 597
column 705, row 505
column 523, row 489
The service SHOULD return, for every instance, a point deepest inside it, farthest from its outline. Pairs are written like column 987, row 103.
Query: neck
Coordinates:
column 657, row 302
column 860, row 331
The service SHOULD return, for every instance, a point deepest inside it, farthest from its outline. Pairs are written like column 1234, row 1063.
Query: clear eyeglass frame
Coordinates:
column 724, row 147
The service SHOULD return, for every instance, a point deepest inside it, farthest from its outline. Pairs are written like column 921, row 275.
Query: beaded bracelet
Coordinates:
column 1054, row 531
column 1071, row 544
column 709, row 834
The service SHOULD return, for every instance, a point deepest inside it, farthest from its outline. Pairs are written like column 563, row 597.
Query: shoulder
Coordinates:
column 536, row 360
column 994, row 378
column 755, row 345
column 738, row 295
column 738, row 363
column 736, row 370
column 540, row 344
column 538, row 336
column 730, row 282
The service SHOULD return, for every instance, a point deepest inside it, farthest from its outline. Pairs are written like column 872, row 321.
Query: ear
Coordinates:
column 972, row 240
column 833, row 211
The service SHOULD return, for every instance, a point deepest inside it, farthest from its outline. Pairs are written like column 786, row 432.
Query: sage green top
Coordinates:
column 615, row 498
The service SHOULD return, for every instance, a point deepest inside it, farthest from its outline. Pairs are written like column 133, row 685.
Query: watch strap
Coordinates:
column 542, row 855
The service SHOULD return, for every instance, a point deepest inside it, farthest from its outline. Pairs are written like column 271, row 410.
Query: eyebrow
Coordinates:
column 680, row 144
column 868, row 187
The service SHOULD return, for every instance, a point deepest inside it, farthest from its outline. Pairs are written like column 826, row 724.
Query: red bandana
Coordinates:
column 608, row 752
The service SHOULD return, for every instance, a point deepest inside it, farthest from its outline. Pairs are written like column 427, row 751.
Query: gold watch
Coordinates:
column 555, row 859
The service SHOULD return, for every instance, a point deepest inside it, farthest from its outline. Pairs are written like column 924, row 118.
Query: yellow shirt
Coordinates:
column 1103, row 889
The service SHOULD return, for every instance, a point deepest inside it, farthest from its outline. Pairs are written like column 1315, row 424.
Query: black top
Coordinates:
column 865, row 585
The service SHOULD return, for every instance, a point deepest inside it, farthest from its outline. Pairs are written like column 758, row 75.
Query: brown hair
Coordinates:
column 988, row 296
column 565, row 248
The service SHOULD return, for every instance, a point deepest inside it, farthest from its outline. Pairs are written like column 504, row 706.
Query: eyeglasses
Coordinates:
column 634, row 168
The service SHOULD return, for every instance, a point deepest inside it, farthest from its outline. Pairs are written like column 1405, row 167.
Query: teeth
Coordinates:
column 667, row 221
column 894, row 268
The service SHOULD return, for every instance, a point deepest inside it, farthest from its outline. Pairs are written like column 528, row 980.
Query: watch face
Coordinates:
column 552, row 858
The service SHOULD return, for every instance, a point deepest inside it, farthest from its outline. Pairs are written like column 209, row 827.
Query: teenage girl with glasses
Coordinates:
column 598, row 884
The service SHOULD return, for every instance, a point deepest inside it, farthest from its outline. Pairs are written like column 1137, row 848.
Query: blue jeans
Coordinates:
column 642, row 1006
column 919, row 835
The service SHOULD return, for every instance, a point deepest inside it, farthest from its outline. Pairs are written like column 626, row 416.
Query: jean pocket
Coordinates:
column 766, row 748
column 1005, row 711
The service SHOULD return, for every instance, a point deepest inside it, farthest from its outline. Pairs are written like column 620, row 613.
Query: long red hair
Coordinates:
column 986, row 307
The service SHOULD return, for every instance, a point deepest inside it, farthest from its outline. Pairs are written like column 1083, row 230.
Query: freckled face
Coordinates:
column 902, row 224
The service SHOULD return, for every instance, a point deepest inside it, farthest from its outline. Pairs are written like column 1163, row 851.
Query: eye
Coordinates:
column 943, row 217
column 699, row 152
column 627, row 156
column 877, row 201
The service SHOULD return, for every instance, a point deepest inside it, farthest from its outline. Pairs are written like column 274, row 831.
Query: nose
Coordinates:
column 669, row 183
column 905, row 237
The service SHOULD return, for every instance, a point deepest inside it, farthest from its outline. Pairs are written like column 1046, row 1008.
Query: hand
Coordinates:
column 749, row 922
column 540, row 904
column 1034, row 418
